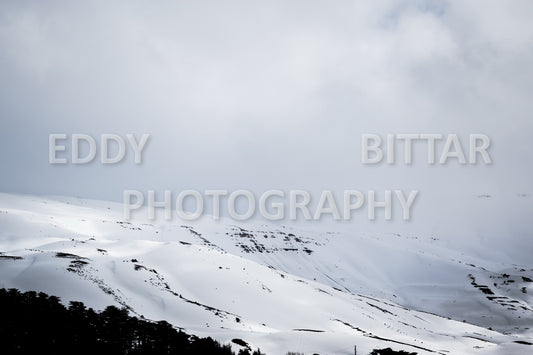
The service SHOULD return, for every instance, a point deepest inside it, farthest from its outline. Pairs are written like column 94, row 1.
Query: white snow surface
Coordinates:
column 278, row 288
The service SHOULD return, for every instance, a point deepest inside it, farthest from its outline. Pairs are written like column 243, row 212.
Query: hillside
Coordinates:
column 278, row 288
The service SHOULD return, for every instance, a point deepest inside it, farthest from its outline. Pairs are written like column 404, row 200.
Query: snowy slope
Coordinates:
column 278, row 288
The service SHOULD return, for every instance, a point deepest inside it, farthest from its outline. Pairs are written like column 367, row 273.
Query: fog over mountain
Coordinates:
column 277, row 95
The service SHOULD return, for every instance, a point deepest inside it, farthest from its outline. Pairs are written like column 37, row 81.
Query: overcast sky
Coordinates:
column 267, row 94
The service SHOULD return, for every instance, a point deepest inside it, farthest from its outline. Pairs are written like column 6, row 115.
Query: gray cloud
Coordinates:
column 265, row 95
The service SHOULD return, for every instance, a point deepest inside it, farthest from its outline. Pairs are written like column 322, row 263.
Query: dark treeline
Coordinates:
column 389, row 351
column 34, row 323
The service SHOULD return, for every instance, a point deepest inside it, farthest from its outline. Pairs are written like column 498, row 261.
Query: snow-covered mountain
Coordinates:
column 278, row 288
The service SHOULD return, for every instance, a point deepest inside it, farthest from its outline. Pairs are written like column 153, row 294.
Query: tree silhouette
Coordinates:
column 389, row 351
column 34, row 323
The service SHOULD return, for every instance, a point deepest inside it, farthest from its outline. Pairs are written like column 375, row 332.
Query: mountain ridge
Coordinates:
column 279, row 288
